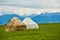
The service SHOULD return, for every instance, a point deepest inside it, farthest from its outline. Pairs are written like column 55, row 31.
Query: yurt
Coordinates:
column 15, row 24
column 30, row 24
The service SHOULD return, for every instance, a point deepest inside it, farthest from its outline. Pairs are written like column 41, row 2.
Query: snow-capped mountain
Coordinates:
column 46, row 17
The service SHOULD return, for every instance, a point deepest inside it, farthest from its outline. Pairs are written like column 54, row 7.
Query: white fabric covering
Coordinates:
column 30, row 24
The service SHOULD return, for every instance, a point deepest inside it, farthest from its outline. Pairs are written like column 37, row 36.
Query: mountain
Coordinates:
column 4, row 19
column 47, row 17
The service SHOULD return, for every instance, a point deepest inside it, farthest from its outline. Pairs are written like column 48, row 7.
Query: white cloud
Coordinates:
column 23, row 11
column 46, row 4
column 1, row 14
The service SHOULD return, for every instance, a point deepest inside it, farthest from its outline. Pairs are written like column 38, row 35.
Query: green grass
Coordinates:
column 45, row 32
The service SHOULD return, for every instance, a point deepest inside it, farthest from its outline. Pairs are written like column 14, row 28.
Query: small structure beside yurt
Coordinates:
column 15, row 24
column 30, row 24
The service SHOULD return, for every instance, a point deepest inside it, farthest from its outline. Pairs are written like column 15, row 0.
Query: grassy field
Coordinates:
column 45, row 32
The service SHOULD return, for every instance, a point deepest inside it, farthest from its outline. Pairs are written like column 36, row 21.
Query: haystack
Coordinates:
column 15, row 24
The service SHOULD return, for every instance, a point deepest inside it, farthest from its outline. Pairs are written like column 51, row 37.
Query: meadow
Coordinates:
column 50, row 31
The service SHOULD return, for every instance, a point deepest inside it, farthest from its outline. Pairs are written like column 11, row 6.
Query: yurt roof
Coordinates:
column 15, row 18
column 28, row 21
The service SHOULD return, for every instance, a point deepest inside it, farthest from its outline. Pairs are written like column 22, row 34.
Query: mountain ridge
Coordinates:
column 46, row 17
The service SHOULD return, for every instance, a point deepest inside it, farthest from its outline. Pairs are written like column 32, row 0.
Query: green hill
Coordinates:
column 45, row 32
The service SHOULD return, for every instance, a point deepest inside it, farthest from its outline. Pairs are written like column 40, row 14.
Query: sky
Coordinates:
column 28, row 7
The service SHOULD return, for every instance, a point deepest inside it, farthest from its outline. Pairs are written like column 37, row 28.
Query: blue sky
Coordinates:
column 42, row 4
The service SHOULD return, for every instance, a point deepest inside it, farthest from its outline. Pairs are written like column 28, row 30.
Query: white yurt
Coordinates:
column 30, row 24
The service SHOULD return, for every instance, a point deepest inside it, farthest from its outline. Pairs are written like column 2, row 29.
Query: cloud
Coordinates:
column 42, row 4
column 23, row 11
column 17, row 10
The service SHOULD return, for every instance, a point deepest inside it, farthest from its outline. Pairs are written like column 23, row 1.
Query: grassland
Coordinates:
column 45, row 32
